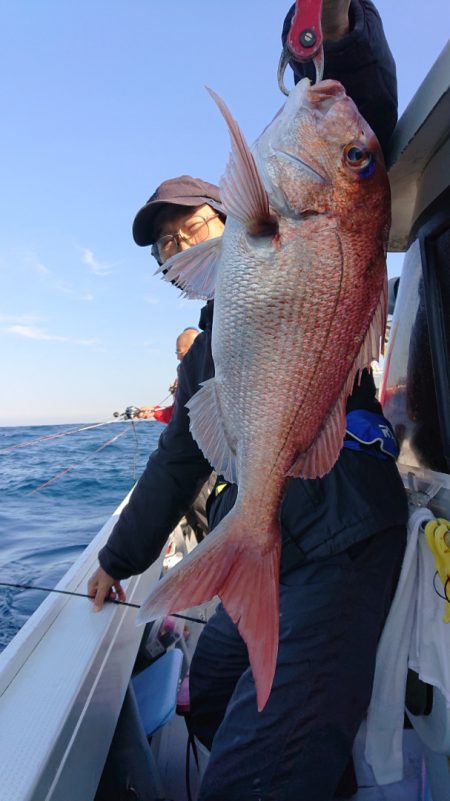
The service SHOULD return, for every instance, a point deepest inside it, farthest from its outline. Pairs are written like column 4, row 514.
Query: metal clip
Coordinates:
column 420, row 497
column 304, row 41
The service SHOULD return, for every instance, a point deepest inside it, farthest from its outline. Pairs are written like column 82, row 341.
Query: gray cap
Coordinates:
column 181, row 191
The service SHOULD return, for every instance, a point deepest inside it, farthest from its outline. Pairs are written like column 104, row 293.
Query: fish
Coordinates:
column 300, row 291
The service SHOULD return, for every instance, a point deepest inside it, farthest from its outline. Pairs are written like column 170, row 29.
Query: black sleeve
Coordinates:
column 173, row 477
column 364, row 394
column 363, row 63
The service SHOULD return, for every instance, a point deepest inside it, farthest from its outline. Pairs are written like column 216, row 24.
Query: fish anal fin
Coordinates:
column 323, row 453
column 246, row 580
column 242, row 190
column 208, row 430
column 195, row 270
column 194, row 580
column 373, row 340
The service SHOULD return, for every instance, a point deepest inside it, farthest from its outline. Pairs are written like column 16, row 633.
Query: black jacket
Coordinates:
column 361, row 495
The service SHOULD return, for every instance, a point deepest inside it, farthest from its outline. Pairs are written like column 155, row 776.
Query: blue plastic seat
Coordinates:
column 156, row 690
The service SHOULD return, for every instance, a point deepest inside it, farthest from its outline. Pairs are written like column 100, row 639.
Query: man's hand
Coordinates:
column 146, row 412
column 335, row 22
column 102, row 586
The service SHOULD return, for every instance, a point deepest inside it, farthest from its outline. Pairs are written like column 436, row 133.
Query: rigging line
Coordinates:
column 85, row 595
column 135, row 451
column 164, row 399
column 73, row 466
column 30, row 442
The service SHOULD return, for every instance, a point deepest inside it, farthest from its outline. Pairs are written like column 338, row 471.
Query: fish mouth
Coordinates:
column 312, row 171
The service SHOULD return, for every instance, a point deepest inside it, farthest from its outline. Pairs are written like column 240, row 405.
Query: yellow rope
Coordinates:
column 437, row 535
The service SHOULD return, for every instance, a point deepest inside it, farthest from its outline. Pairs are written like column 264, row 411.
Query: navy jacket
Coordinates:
column 361, row 495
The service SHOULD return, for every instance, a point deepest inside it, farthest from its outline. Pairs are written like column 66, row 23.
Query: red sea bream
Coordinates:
column 299, row 282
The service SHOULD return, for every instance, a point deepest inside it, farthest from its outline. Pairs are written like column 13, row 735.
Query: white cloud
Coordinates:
column 96, row 266
column 20, row 319
column 63, row 286
column 31, row 332
column 67, row 289
column 31, row 260
column 88, row 343
column 151, row 299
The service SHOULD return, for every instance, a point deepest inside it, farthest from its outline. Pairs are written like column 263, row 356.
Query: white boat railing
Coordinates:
column 62, row 682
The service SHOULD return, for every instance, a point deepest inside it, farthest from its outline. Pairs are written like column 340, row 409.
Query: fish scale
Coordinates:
column 299, row 284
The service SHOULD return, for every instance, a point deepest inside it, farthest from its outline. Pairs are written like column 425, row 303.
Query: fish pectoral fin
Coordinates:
column 242, row 190
column 246, row 580
column 208, row 430
column 194, row 270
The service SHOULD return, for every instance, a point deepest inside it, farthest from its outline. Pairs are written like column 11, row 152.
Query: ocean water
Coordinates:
column 43, row 532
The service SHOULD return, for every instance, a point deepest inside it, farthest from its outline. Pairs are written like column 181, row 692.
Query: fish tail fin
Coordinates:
column 251, row 596
column 246, row 580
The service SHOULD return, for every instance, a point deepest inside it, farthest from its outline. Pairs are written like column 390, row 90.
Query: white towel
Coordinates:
column 430, row 646
column 384, row 751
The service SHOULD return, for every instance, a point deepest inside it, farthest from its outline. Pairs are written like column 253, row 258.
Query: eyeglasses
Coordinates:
column 193, row 232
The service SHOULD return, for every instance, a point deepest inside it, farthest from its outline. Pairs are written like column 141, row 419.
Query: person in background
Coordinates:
column 343, row 536
column 193, row 526
column 163, row 414
column 184, row 341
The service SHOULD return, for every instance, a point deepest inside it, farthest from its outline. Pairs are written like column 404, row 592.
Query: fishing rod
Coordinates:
column 37, row 440
column 73, row 466
column 85, row 595
column 132, row 412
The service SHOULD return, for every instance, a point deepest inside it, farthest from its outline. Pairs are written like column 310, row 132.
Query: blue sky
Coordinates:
column 101, row 100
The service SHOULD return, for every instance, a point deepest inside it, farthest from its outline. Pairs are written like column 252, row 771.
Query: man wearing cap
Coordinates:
column 181, row 212
column 342, row 545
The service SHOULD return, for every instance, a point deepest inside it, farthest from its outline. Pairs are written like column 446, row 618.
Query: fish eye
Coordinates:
column 359, row 159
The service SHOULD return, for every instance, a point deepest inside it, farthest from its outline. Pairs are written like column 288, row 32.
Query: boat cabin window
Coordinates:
column 416, row 386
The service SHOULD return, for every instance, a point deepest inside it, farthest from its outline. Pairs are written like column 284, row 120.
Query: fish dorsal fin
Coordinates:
column 208, row 430
column 194, row 270
column 323, row 453
column 241, row 187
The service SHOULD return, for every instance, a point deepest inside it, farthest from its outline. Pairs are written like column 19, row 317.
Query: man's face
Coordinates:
column 186, row 228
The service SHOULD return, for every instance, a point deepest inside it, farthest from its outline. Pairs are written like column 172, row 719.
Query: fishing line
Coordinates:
column 36, row 441
column 73, row 466
column 65, row 592
column 85, row 595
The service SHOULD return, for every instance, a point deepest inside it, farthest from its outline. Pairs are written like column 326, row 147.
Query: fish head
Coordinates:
column 319, row 156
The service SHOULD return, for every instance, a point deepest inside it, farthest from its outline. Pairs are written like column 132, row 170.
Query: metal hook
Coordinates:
column 285, row 58
column 284, row 61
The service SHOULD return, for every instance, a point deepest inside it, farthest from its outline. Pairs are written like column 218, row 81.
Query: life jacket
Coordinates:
column 372, row 433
